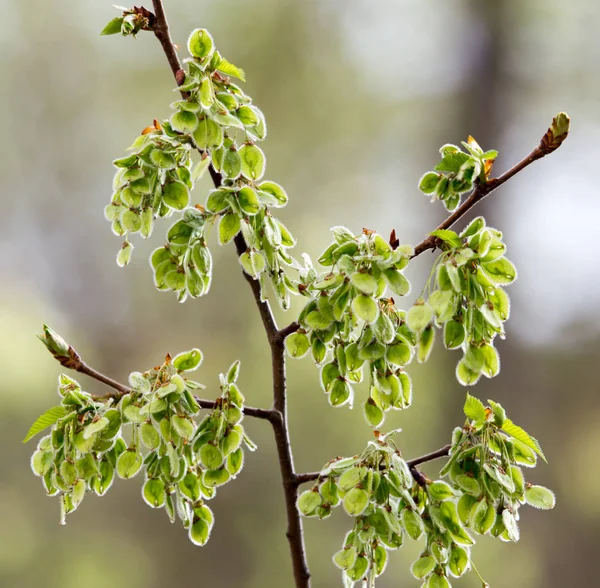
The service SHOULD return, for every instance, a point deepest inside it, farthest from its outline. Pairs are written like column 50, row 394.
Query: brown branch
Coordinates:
column 412, row 463
column 551, row 141
column 277, row 415
column 69, row 358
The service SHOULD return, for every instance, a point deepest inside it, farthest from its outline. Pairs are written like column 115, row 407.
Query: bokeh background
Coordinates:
column 359, row 95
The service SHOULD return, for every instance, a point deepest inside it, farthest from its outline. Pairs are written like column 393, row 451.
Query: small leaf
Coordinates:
column 231, row 70
column 522, row 436
column 474, row 409
column 51, row 416
column 113, row 27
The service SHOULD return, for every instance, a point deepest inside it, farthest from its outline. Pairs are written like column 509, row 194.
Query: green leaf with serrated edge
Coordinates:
column 188, row 360
column 51, row 416
column 474, row 409
column 448, row 236
column 521, row 435
column 113, row 27
column 229, row 69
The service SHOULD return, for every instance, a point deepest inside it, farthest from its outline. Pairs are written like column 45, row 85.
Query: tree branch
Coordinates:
column 72, row 360
column 277, row 415
column 412, row 464
column 551, row 141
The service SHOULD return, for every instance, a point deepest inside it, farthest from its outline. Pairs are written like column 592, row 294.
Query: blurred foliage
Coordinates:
column 358, row 99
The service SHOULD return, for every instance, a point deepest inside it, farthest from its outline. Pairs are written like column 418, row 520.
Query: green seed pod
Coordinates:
column 459, row 561
column 41, row 462
column 229, row 227
column 248, row 200
column 124, row 254
column 539, row 497
column 423, row 566
column 345, row 558
column 413, row 523
column 397, row 282
column 153, row 492
column 184, row 121
column 297, row 344
column 161, row 159
column 176, row 195
column 231, row 166
column 359, row 569
column 272, row 194
column 199, row 532
column 104, row 479
column 419, row 316
column 235, row 462
column 206, row 93
column 308, row 502
column 340, row 393
column 355, row 501
column 464, row 507
column 425, row 346
column 319, row 350
column 253, row 162
column 364, row 282
column 129, row 464
column 211, row 456
column 365, row 308
column 373, row 414
column 440, row 491
column 201, row 45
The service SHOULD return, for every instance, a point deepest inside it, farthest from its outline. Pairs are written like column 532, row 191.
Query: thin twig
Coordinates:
column 278, row 413
column 412, row 463
column 72, row 360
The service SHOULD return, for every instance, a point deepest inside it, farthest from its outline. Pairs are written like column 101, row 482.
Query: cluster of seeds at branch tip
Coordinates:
column 388, row 503
column 458, row 172
column 219, row 120
column 184, row 461
column 348, row 323
column 467, row 299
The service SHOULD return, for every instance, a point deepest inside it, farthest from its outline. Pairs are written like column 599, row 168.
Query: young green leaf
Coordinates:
column 51, row 416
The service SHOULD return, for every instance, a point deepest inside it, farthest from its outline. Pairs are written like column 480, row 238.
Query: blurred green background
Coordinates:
column 359, row 95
